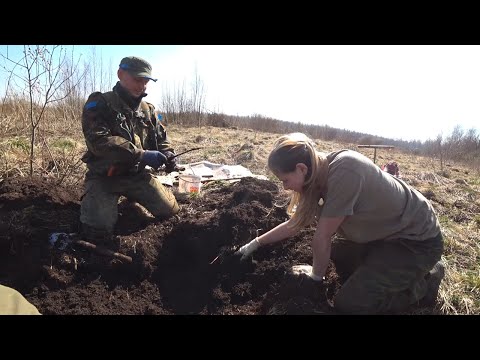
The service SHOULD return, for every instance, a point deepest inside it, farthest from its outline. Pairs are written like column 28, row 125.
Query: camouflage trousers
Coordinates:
column 383, row 276
column 99, row 206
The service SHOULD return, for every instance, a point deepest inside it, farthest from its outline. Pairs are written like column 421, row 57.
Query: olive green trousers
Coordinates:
column 383, row 276
column 99, row 206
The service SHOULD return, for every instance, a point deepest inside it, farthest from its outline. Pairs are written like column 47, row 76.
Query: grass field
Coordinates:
column 453, row 190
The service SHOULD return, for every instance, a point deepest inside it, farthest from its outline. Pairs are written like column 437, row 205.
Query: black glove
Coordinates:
column 171, row 164
column 170, row 156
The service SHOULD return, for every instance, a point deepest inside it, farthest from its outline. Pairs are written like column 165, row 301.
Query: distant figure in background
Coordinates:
column 390, row 243
column 392, row 168
column 123, row 136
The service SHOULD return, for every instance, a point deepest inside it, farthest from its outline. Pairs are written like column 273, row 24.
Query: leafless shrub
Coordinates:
column 39, row 77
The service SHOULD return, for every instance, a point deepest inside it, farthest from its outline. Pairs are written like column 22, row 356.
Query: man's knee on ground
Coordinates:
column 167, row 211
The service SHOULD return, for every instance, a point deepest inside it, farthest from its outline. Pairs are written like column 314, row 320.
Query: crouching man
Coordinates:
column 123, row 135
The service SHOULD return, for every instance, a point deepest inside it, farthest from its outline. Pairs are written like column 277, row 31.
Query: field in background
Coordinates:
column 453, row 191
column 44, row 109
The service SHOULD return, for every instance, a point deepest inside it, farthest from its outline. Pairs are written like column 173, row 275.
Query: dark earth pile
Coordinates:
column 180, row 266
column 175, row 269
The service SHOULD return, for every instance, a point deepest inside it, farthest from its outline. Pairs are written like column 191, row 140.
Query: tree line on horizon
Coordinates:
column 46, row 89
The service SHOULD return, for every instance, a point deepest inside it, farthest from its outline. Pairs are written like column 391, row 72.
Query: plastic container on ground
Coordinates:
column 189, row 183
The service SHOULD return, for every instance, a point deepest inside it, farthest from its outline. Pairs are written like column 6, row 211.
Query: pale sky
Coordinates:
column 397, row 91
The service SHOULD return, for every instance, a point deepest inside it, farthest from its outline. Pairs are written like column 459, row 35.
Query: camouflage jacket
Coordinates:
column 117, row 129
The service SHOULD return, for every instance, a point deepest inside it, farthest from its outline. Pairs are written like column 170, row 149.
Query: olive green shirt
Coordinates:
column 377, row 205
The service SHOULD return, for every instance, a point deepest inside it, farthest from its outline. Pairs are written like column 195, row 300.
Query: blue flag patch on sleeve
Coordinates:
column 91, row 105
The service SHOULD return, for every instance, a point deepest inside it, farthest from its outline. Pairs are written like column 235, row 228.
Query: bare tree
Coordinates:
column 440, row 149
column 40, row 77
column 472, row 142
column 453, row 143
column 181, row 103
column 101, row 78
column 198, row 99
column 167, row 106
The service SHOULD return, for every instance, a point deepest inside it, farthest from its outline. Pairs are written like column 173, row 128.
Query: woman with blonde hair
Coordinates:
column 388, row 244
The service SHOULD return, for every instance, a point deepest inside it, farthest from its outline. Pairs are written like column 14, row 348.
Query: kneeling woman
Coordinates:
column 388, row 240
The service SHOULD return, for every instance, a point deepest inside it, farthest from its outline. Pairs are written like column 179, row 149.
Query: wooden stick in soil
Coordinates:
column 103, row 251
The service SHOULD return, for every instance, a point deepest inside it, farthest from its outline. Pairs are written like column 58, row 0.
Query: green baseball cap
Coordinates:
column 137, row 67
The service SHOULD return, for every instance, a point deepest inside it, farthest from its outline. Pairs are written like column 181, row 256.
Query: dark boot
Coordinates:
column 433, row 279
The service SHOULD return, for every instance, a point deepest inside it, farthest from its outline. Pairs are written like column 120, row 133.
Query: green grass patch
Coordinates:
column 212, row 152
column 477, row 221
column 20, row 143
column 443, row 220
column 215, row 184
column 472, row 280
column 450, row 245
column 456, row 301
column 467, row 189
column 474, row 181
column 64, row 144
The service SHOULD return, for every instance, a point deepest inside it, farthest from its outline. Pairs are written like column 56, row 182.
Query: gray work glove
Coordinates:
column 248, row 249
column 306, row 270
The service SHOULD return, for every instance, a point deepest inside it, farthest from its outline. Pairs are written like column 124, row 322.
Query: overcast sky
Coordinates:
column 396, row 91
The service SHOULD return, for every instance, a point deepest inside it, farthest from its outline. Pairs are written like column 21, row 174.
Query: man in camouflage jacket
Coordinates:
column 123, row 136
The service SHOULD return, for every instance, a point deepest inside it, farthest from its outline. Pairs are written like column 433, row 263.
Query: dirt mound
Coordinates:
column 182, row 265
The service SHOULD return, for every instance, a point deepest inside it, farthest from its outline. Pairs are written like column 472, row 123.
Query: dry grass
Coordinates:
column 454, row 192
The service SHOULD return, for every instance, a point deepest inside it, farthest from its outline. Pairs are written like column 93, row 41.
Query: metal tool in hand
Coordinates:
column 169, row 169
column 184, row 152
